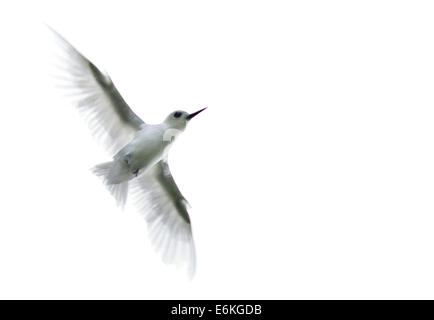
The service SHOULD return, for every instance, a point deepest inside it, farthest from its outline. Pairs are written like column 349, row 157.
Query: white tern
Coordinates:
column 139, row 165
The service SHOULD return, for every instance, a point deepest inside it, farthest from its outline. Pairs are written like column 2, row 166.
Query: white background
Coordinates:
column 310, row 175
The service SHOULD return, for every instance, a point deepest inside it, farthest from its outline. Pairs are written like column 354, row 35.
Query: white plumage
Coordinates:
column 139, row 165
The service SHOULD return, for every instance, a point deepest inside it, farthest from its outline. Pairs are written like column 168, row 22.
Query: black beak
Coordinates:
column 192, row 115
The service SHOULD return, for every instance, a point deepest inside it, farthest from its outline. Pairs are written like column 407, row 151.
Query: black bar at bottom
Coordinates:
column 215, row 309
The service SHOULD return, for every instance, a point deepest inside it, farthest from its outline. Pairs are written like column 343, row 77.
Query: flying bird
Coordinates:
column 139, row 151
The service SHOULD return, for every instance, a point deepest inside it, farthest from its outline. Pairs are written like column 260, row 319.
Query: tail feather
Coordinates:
column 111, row 175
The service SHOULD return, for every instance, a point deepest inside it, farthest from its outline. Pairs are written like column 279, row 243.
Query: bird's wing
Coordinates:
column 165, row 209
column 109, row 117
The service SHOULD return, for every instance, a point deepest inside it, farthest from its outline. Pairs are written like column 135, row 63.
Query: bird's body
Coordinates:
column 139, row 156
column 146, row 149
column 143, row 152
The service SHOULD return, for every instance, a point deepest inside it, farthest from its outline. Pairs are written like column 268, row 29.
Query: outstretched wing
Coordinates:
column 165, row 209
column 109, row 117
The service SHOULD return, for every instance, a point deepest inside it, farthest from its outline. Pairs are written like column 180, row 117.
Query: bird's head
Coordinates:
column 178, row 119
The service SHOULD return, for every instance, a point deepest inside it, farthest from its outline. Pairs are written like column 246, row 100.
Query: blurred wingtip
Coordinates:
column 49, row 27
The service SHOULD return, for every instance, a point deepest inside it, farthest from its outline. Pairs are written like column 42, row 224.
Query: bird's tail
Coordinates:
column 115, row 178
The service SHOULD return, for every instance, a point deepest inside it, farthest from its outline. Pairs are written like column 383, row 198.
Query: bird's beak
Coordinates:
column 192, row 115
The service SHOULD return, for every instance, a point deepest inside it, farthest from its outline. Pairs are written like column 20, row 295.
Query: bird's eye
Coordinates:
column 177, row 114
